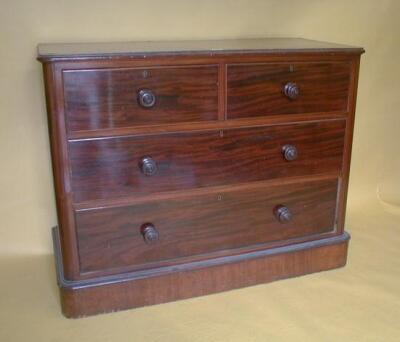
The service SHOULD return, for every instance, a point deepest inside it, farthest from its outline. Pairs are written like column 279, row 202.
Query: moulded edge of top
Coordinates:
column 142, row 49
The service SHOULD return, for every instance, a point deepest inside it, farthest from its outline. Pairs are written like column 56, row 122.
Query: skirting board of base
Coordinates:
column 129, row 290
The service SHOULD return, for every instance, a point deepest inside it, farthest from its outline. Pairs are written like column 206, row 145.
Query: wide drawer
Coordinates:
column 287, row 88
column 125, row 166
column 155, row 233
column 111, row 98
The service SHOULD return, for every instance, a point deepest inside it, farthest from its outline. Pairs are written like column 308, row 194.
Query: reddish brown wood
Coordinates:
column 348, row 145
column 258, row 89
column 61, row 172
column 221, row 91
column 82, row 301
column 218, row 128
column 108, row 98
column 193, row 225
column 163, row 196
column 208, row 125
column 110, row 167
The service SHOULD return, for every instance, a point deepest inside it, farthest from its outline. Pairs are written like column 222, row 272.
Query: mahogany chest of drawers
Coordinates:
column 188, row 168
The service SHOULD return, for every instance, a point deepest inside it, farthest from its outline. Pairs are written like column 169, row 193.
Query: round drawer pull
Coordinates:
column 146, row 98
column 150, row 233
column 148, row 166
column 283, row 214
column 291, row 90
column 290, row 152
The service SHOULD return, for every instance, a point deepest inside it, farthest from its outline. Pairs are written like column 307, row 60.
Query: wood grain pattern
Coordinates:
column 53, row 71
column 111, row 238
column 208, row 125
column 342, row 202
column 60, row 164
column 216, row 133
column 257, row 89
column 108, row 98
column 79, row 301
column 106, row 168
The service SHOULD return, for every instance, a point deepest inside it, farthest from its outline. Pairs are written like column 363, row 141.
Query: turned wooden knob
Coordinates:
column 148, row 166
column 150, row 233
column 283, row 214
column 291, row 90
column 146, row 98
column 290, row 152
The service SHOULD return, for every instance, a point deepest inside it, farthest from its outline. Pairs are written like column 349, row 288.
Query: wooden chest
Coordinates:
column 188, row 168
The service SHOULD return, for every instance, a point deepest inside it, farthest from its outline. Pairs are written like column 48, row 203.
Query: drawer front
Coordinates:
column 195, row 225
column 119, row 167
column 112, row 98
column 286, row 88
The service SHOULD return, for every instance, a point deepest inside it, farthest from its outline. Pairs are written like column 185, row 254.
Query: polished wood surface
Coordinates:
column 194, row 225
column 105, row 168
column 83, row 298
column 258, row 89
column 205, row 149
column 108, row 98
column 61, row 171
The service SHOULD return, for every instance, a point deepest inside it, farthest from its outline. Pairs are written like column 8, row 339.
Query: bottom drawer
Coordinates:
column 153, row 233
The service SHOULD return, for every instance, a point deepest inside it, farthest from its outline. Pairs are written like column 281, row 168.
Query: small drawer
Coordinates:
column 286, row 88
column 126, row 166
column 113, row 98
column 156, row 233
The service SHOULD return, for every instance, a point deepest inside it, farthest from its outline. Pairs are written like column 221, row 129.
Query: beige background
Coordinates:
column 27, row 205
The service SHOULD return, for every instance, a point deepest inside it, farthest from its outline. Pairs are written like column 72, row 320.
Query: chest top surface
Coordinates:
column 225, row 46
